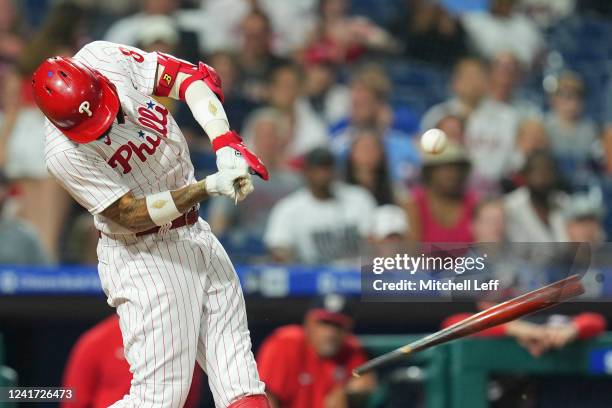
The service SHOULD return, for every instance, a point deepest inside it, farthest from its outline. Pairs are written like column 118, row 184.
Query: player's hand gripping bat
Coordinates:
column 543, row 298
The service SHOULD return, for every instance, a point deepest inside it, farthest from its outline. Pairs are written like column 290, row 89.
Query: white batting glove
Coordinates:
column 229, row 183
column 231, row 159
column 233, row 154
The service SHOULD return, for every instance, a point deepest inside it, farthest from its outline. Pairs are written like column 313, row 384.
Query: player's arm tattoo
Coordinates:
column 132, row 213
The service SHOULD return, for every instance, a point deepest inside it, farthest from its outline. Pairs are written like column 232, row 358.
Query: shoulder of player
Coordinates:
column 97, row 50
column 55, row 141
column 105, row 57
column 62, row 150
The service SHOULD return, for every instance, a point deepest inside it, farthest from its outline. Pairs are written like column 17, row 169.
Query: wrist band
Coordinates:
column 161, row 208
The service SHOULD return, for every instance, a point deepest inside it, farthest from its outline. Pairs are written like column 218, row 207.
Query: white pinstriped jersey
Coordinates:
column 146, row 154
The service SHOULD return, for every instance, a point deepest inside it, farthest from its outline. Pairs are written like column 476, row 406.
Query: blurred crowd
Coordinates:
column 333, row 96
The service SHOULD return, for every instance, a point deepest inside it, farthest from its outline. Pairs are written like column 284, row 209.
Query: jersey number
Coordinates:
column 137, row 57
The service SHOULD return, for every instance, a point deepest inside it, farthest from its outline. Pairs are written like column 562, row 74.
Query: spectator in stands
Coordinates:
column 584, row 214
column 546, row 13
column 367, row 166
column 534, row 211
column 390, row 231
column 441, row 210
column 218, row 22
column 572, row 136
column 236, row 105
column 257, row 62
column 306, row 129
column 265, row 133
column 20, row 243
column 490, row 126
column 12, row 34
column 292, row 22
column 22, row 130
column 98, row 372
column 344, row 38
column 454, row 128
column 501, row 29
column 310, row 366
column 430, row 33
column 324, row 222
column 540, row 337
column 490, row 135
column 80, row 241
column 469, row 84
column 370, row 109
column 489, row 223
column 327, row 97
column 607, row 112
column 531, row 137
column 128, row 29
column 159, row 33
column 606, row 176
column 504, row 80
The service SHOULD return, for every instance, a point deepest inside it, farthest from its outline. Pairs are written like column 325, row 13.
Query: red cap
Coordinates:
column 332, row 308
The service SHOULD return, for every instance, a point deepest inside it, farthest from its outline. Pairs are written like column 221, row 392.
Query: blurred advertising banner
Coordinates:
column 424, row 272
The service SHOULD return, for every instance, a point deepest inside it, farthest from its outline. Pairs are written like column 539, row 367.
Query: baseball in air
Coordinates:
column 433, row 141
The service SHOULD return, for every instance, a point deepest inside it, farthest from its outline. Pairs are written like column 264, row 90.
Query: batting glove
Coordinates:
column 230, row 183
column 232, row 154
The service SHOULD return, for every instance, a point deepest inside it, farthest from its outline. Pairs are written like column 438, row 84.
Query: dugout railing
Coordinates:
column 456, row 375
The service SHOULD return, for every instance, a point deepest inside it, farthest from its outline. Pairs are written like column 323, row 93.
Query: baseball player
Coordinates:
column 122, row 156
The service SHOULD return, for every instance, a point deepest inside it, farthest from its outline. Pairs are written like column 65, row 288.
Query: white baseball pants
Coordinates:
column 179, row 300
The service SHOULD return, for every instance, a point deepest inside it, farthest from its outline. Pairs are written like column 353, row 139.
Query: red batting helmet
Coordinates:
column 78, row 100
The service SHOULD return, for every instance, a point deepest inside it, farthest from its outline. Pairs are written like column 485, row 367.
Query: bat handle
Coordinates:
column 382, row 360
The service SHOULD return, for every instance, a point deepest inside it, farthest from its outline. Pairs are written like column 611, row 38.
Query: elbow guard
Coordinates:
column 181, row 73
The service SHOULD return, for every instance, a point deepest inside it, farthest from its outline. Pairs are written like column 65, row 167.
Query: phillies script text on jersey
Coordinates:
column 155, row 119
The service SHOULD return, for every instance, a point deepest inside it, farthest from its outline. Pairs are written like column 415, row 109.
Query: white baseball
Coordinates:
column 433, row 141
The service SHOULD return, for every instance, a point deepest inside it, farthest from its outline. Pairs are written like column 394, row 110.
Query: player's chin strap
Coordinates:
column 231, row 139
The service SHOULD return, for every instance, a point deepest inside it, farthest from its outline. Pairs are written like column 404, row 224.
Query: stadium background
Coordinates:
column 292, row 76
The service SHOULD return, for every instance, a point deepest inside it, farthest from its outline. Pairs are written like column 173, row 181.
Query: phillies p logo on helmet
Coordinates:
column 84, row 108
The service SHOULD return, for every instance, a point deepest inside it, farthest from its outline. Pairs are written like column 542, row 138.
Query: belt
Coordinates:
column 189, row 218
